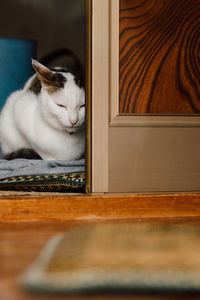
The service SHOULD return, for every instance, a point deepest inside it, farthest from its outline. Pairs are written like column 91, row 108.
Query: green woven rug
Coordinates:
column 119, row 257
column 46, row 183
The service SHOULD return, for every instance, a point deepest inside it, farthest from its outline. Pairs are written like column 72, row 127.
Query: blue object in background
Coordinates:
column 15, row 65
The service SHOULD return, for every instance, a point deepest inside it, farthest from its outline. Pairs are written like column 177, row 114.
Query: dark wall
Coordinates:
column 53, row 23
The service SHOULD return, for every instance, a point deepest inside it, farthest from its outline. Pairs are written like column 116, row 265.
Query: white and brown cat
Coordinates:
column 46, row 119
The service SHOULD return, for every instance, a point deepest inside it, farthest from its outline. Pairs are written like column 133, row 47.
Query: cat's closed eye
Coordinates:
column 63, row 106
column 82, row 106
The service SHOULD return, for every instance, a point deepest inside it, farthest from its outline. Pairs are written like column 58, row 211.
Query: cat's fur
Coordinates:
column 46, row 116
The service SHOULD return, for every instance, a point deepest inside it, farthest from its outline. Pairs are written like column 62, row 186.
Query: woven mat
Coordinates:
column 69, row 183
column 119, row 256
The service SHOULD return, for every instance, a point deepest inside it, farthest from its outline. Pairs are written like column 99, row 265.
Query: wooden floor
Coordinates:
column 27, row 223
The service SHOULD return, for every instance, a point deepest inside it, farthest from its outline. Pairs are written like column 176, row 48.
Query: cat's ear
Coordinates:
column 50, row 80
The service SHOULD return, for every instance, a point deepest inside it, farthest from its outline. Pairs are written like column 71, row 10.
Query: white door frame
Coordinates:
column 105, row 82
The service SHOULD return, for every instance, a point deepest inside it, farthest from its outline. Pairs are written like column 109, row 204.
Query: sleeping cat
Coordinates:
column 45, row 119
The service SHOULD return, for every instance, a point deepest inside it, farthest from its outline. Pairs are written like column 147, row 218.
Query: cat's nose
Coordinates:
column 73, row 122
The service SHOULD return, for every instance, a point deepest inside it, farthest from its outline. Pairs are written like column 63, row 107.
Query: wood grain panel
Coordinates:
column 159, row 56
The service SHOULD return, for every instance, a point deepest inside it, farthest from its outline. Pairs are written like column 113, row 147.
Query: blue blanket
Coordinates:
column 18, row 167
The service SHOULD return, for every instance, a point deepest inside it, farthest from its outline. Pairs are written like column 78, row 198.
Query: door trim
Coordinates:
column 100, row 94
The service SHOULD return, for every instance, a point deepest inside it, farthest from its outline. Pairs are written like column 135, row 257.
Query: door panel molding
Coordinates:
column 128, row 120
column 154, row 159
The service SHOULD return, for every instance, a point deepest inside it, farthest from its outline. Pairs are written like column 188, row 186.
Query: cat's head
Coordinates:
column 62, row 97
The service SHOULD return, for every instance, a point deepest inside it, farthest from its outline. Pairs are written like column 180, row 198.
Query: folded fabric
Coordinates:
column 20, row 167
column 65, row 183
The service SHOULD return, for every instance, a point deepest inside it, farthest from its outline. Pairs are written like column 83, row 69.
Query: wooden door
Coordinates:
column 146, row 95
